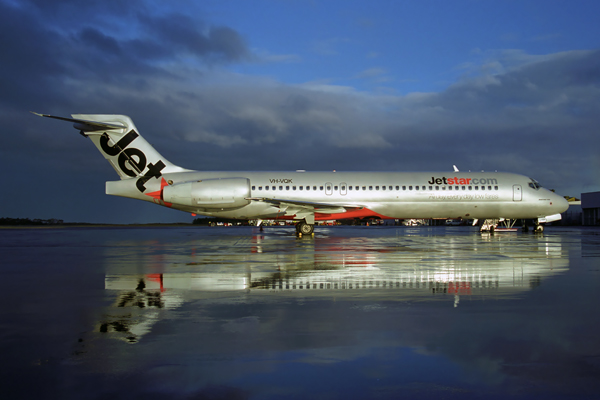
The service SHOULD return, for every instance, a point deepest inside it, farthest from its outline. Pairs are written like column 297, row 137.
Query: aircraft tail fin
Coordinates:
column 118, row 140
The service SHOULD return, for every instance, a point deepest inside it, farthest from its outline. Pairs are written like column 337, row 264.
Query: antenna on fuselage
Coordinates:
column 455, row 168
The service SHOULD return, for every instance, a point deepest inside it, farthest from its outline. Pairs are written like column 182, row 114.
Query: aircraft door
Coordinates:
column 328, row 189
column 343, row 188
column 517, row 193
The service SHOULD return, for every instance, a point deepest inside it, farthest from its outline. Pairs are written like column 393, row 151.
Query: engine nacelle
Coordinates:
column 225, row 193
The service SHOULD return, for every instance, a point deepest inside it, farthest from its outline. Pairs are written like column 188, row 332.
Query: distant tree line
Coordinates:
column 31, row 222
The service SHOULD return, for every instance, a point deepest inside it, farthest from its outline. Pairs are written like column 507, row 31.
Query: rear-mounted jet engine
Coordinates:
column 226, row 193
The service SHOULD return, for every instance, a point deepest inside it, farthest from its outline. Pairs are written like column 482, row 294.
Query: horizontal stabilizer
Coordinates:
column 85, row 125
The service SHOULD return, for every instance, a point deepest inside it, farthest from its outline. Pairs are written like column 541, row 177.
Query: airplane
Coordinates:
column 307, row 197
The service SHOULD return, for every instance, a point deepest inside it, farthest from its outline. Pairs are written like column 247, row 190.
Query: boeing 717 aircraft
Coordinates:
column 311, row 196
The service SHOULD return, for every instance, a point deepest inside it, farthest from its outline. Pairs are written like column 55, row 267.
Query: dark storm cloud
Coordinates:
column 64, row 57
column 28, row 57
column 55, row 63
column 556, row 81
column 99, row 41
column 40, row 44
column 185, row 35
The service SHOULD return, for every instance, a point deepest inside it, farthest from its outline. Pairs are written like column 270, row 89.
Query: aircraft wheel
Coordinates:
column 539, row 229
column 306, row 229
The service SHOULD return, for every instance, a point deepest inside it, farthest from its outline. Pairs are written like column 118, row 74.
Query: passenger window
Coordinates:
column 444, row 187
column 449, row 187
column 470, row 187
column 495, row 187
column 253, row 187
column 489, row 188
column 476, row 187
column 321, row 187
column 260, row 188
column 403, row 187
column 287, row 188
column 308, row 188
column 335, row 188
column 416, row 188
column 464, row 188
column 410, row 188
column 301, row 187
column 430, row 187
column 266, row 188
column 437, row 188
column 280, row 187
column 314, row 188
column 364, row 188
column 293, row 187
column 390, row 187
column 383, row 188
column 370, row 187
column 397, row 187
column 273, row 188
column 357, row 187
column 423, row 187
column 376, row 187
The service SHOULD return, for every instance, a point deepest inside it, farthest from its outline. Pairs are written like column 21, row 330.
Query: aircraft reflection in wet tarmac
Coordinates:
column 417, row 268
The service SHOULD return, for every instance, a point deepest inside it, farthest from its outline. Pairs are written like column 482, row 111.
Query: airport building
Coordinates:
column 573, row 216
column 590, row 205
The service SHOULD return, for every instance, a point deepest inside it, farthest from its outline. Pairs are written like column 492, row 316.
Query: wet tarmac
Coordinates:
column 351, row 313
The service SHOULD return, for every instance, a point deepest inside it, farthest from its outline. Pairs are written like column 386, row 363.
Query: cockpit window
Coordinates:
column 534, row 184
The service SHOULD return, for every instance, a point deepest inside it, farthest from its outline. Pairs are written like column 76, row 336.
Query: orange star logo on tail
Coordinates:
column 158, row 195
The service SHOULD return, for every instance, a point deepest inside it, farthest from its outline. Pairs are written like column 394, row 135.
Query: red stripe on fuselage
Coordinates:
column 361, row 213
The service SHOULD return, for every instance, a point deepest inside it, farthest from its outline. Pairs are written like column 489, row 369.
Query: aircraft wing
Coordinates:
column 317, row 207
column 307, row 209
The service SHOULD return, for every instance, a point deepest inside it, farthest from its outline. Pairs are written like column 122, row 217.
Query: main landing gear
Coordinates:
column 303, row 228
column 507, row 225
column 489, row 225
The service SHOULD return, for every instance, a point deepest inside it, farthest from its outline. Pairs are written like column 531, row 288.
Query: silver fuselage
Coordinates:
column 466, row 195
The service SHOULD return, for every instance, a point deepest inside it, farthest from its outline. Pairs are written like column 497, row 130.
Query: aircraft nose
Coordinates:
column 560, row 204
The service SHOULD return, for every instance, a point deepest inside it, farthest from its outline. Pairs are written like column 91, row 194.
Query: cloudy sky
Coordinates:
column 283, row 85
